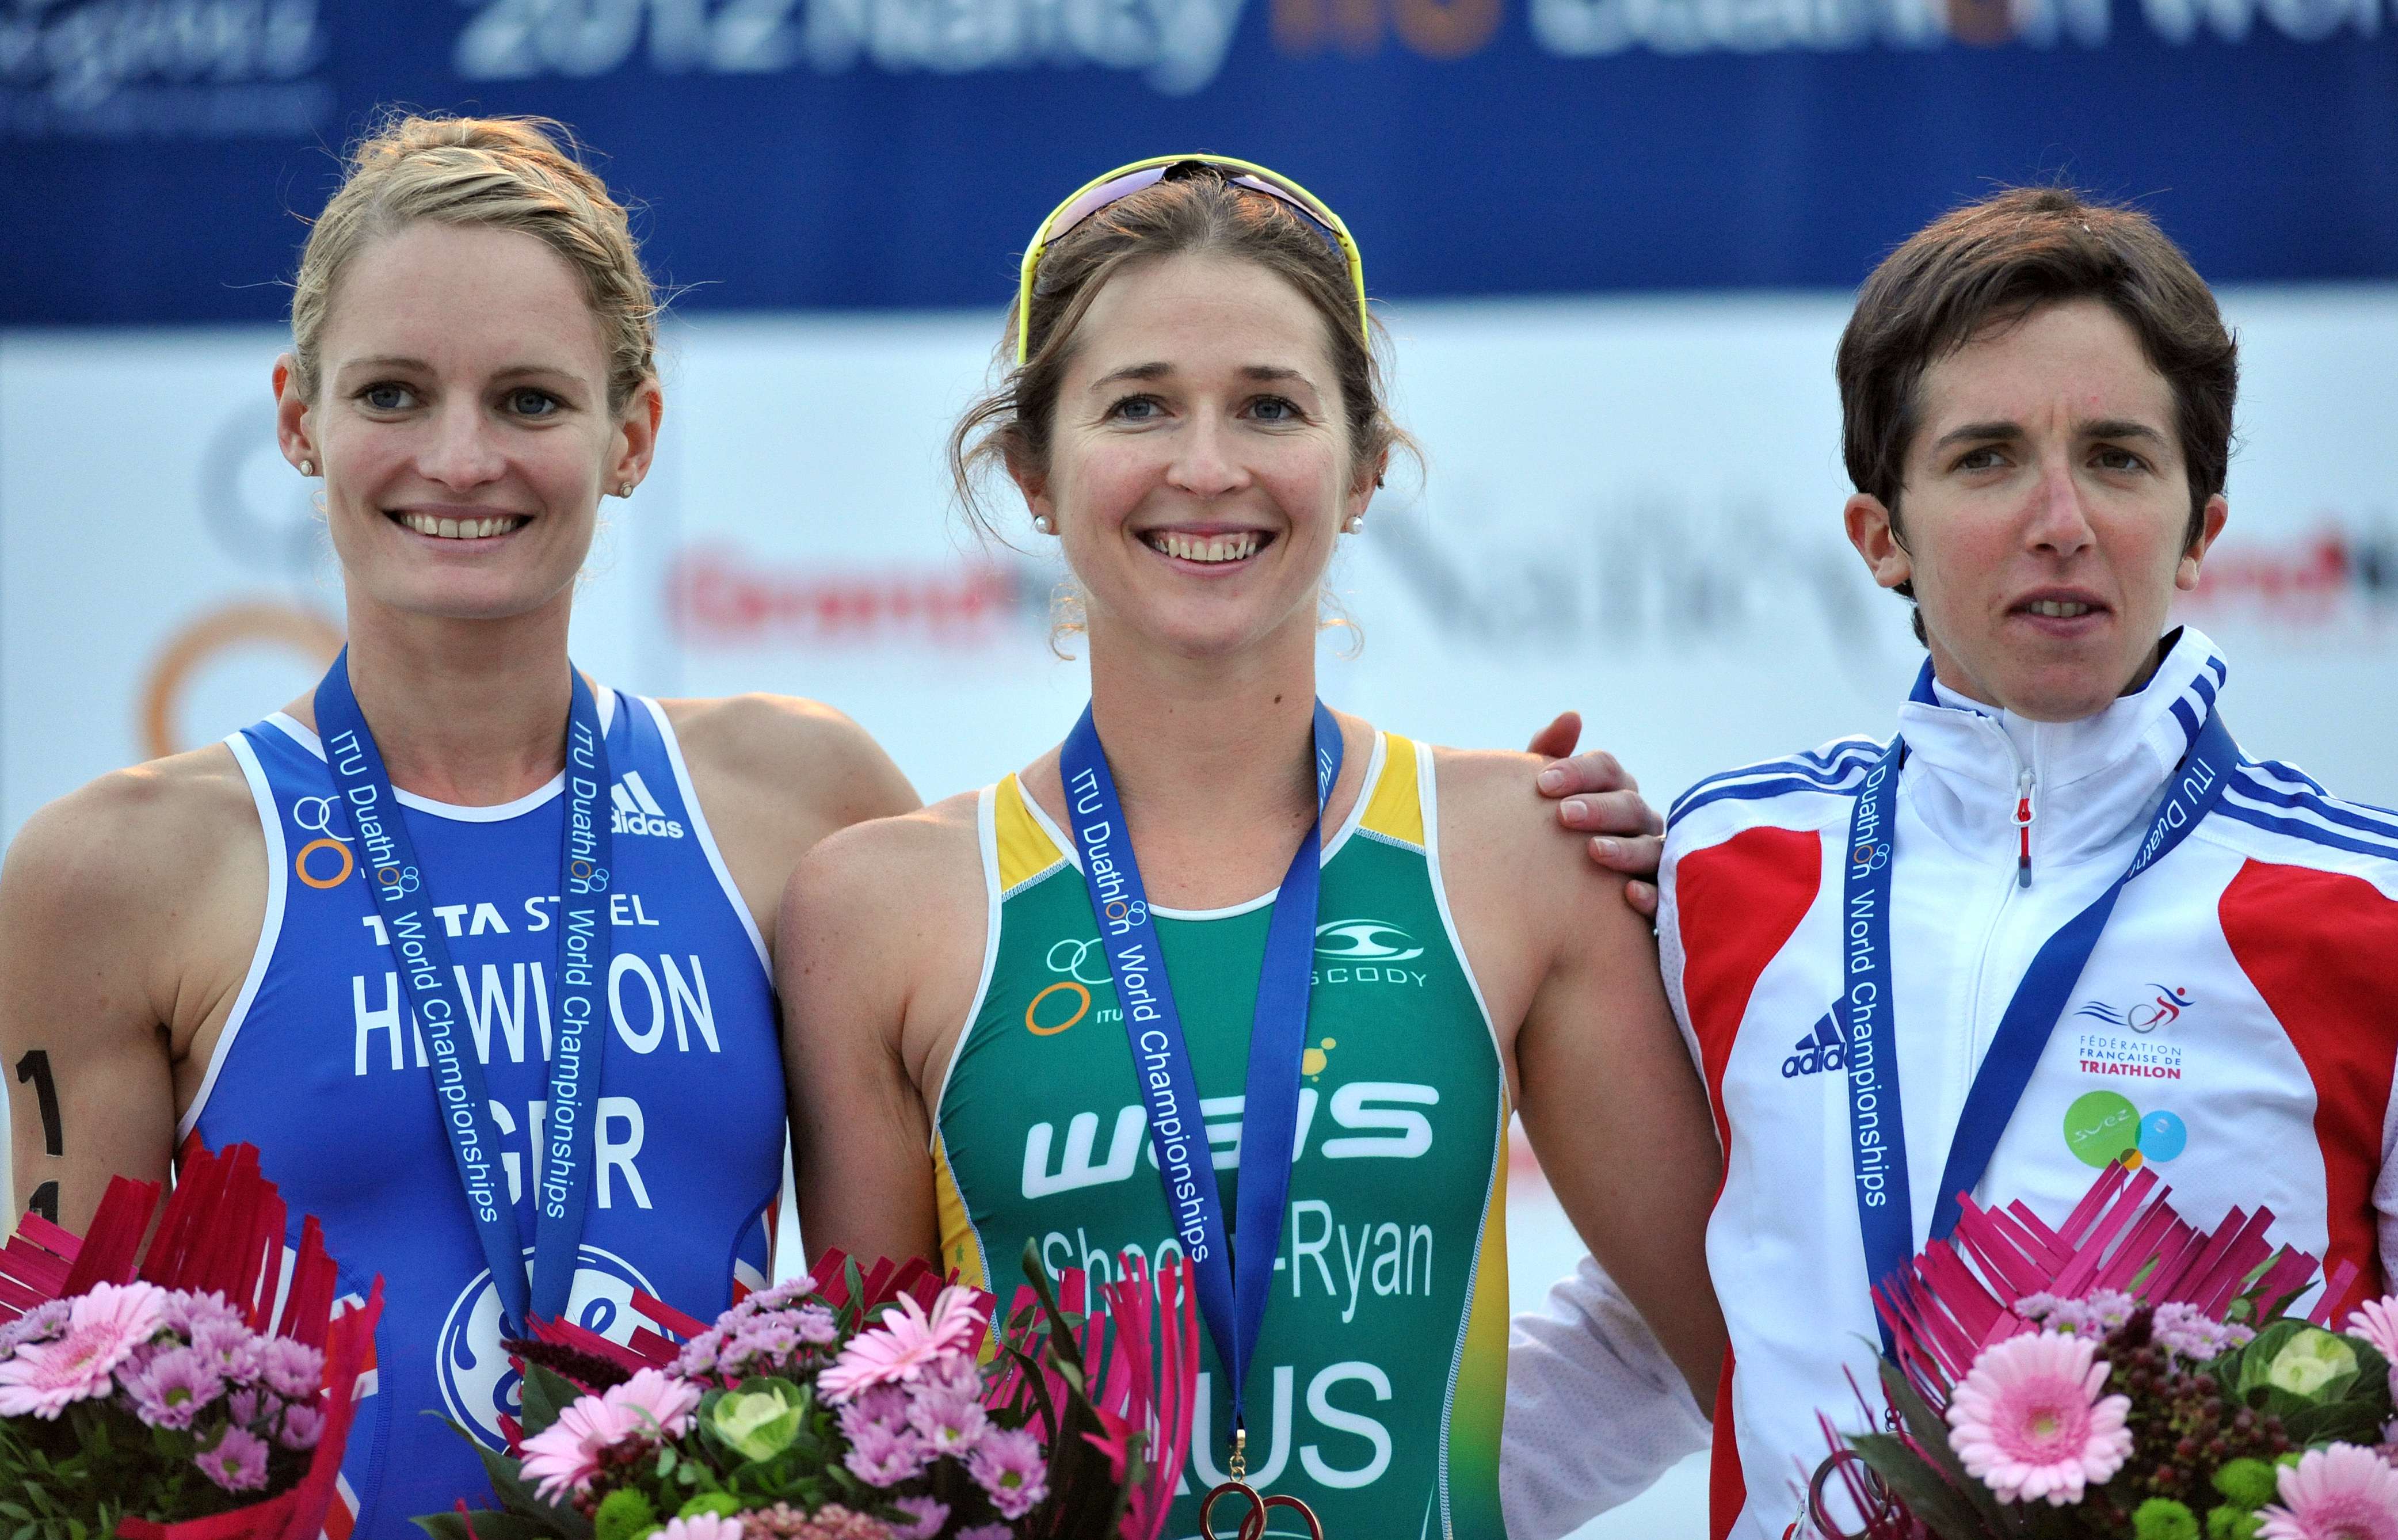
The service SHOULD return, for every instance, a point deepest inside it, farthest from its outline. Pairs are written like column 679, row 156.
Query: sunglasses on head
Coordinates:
column 1124, row 180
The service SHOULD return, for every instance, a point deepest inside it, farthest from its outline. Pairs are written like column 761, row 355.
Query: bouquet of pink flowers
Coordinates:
column 857, row 1405
column 139, row 1401
column 2124, row 1375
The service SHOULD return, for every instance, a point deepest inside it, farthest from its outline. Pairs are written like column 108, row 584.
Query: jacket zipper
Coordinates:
column 2024, row 813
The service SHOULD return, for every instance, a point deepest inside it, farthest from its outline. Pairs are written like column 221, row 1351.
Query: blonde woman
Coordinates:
column 488, row 983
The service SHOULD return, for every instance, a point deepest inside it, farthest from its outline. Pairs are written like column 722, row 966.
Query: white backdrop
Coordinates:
column 1633, row 509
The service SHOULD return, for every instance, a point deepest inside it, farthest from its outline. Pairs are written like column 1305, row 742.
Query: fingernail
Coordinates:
column 1552, row 778
column 1574, row 810
column 1607, row 847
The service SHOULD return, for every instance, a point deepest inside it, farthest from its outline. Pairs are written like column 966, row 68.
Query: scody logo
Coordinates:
column 1365, row 941
column 1821, row 1050
column 638, row 812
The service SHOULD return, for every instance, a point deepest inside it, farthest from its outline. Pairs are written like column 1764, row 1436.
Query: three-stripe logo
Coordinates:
column 1820, row 1050
column 638, row 812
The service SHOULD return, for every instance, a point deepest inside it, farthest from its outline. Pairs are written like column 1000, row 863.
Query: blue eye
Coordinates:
column 529, row 402
column 383, row 396
column 1275, row 409
column 1137, row 409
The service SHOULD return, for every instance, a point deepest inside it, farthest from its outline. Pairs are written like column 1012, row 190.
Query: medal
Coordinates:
column 1253, row 1519
column 1232, row 1291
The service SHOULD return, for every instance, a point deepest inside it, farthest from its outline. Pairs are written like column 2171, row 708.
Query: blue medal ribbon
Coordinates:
column 436, row 994
column 1877, row 1138
column 1233, row 1286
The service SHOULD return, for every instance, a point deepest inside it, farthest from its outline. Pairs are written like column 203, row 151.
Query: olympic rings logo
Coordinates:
column 1082, row 1009
column 1870, row 857
column 399, row 881
column 314, row 815
column 1127, row 913
column 593, row 878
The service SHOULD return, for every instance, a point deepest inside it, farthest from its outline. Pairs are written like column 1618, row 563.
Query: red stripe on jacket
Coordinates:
column 2318, row 947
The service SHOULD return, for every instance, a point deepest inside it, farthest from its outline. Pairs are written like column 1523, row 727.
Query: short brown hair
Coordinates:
column 1194, row 212
column 508, row 173
column 1993, row 263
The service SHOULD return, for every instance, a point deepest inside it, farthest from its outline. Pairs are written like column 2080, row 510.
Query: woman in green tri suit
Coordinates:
column 1195, row 414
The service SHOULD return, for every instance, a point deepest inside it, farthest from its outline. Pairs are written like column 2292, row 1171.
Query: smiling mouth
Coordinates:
column 460, row 529
column 1211, row 549
column 2060, row 609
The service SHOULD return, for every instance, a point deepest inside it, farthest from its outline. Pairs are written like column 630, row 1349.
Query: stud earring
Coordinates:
column 1356, row 524
column 623, row 489
column 1042, row 522
column 308, row 468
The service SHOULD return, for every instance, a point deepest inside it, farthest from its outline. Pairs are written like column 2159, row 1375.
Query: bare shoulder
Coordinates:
column 930, row 856
column 141, row 839
column 791, row 745
column 1523, row 889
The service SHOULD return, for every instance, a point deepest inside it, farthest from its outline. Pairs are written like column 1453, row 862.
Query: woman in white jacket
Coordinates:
column 1871, row 948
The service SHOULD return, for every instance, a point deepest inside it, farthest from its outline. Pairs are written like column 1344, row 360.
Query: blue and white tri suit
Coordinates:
column 320, row 1066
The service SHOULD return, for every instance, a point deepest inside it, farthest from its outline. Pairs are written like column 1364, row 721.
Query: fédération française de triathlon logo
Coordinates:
column 638, row 812
column 2147, row 1016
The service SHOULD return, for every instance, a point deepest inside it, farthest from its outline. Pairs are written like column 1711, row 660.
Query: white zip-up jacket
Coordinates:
column 2236, row 1027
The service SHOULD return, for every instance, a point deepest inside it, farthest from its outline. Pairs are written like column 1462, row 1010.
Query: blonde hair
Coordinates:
column 505, row 174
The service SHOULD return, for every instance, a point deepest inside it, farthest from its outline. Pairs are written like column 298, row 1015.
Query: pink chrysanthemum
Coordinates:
column 659, row 1404
column 103, row 1328
column 2342, row 1492
column 925, row 1517
column 703, row 1526
column 565, row 1455
column 238, row 1462
column 1006, row 1463
column 302, row 1427
column 883, row 1456
column 901, row 1345
column 987, row 1531
column 2029, row 1421
column 174, row 1388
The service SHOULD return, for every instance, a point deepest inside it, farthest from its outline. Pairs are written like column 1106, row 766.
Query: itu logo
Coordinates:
column 1822, row 1051
column 1871, row 855
column 1365, row 941
column 478, row 1385
column 2145, row 1017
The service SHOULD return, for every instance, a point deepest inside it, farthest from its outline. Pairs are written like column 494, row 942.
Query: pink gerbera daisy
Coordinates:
column 2342, row 1492
column 565, row 1455
column 103, row 1328
column 2029, row 1420
column 661, row 1405
column 2376, row 1322
column 901, row 1345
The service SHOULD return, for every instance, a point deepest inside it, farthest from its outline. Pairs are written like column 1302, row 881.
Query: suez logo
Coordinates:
column 325, row 861
column 1347, row 951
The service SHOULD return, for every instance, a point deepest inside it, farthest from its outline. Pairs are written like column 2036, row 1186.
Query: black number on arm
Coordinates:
column 35, row 1068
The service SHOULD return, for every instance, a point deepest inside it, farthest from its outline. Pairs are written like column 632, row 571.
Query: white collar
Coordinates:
column 2093, row 781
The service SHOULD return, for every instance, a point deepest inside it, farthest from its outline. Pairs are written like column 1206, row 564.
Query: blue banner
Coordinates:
column 160, row 154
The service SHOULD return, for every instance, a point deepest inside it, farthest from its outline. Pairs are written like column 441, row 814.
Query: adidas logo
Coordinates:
column 1820, row 1050
column 638, row 812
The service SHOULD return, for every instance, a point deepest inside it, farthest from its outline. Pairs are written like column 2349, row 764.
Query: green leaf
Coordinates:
column 1931, row 1431
column 489, row 1524
column 517, row 1495
column 546, row 1392
column 1924, row 1488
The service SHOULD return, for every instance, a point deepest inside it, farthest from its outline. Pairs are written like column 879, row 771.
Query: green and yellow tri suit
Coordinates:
column 1377, row 1388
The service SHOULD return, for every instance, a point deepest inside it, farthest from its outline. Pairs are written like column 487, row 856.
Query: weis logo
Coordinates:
column 638, row 812
column 2147, row 1016
column 1821, row 1050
